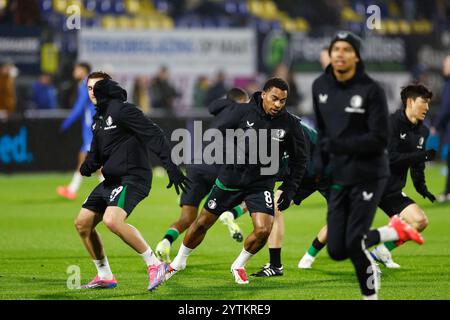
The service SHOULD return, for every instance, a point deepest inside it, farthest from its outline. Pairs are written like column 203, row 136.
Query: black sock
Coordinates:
column 169, row 237
column 275, row 257
column 372, row 238
column 317, row 244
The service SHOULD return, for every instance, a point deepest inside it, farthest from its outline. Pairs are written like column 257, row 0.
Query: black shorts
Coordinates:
column 308, row 187
column 394, row 203
column 258, row 198
column 123, row 194
column 201, row 183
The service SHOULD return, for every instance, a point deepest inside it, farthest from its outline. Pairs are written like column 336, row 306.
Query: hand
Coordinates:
column 285, row 199
column 178, row 179
column 428, row 195
column 88, row 167
column 85, row 170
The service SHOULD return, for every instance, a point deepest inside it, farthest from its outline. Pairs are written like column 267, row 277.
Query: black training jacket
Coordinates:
column 286, row 131
column 352, row 121
column 122, row 136
column 406, row 151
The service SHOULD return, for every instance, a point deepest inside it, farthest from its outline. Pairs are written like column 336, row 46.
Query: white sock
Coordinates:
column 76, row 182
column 387, row 234
column 179, row 262
column 226, row 215
column 242, row 259
column 103, row 269
column 149, row 257
column 371, row 297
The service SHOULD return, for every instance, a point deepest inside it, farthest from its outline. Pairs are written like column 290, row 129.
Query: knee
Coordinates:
column 263, row 232
column 186, row 221
column 422, row 223
column 111, row 224
column 337, row 253
column 200, row 226
column 82, row 227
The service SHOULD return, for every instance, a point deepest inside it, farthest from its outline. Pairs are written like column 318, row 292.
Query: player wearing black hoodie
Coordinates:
column 407, row 152
column 202, row 177
column 265, row 113
column 122, row 136
column 353, row 126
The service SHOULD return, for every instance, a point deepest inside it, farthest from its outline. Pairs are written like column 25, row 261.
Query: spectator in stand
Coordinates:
column 8, row 73
column 44, row 93
column 163, row 92
column 141, row 93
column 200, row 92
column 218, row 90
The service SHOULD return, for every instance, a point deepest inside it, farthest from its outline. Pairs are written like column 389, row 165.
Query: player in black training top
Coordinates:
column 202, row 178
column 122, row 136
column 408, row 138
column 353, row 129
column 244, row 182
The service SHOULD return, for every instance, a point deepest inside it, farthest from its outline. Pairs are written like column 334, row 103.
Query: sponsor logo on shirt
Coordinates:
column 109, row 122
column 403, row 136
column 279, row 135
column 421, row 141
column 356, row 103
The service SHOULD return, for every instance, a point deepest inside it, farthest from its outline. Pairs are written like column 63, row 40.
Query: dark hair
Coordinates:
column 86, row 66
column 99, row 75
column 415, row 90
column 237, row 94
column 277, row 83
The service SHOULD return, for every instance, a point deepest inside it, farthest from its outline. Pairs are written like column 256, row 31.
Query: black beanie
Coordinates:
column 349, row 37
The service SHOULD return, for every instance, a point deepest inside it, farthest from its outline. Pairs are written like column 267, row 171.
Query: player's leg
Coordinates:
column 321, row 239
column 122, row 199
column 88, row 218
column 391, row 205
column 187, row 217
column 262, row 224
column 260, row 204
column 194, row 236
column 219, row 200
column 275, row 243
column 316, row 246
column 228, row 218
column 190, row 200
column 337, row 222
column 364, row 200
column 85, row 224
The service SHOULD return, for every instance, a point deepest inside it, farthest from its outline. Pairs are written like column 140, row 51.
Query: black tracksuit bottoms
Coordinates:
column 351, row 210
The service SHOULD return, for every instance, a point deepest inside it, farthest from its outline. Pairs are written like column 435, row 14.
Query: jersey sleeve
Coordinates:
column 148, row 132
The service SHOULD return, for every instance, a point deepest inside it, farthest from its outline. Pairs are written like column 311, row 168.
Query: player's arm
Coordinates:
column 77, row 110
column 376, row 139
column 151, row 135
column 320, row 159
column 298, row 160
column 405, row 159
column 418, row 178
column 233, row 115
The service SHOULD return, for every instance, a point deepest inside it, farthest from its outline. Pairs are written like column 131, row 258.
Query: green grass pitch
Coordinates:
column 39, row 243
